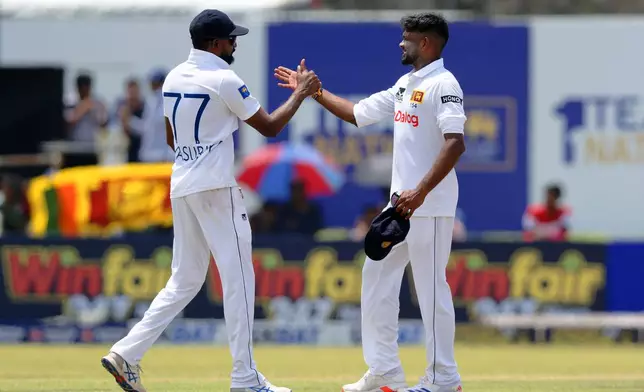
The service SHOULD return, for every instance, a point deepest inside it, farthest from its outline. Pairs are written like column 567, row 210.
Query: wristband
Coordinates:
column 317, row 94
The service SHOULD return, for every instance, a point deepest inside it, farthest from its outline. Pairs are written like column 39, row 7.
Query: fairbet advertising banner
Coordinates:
column 355, row 60
column 587, row 128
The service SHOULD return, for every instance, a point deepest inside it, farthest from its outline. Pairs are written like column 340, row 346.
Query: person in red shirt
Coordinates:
column 549, row 221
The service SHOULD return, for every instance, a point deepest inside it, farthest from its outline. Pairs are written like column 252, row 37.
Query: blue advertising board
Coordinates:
column 625, row 266
column 355, row 60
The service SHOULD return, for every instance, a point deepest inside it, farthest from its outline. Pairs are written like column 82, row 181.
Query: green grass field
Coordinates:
column 484, row 368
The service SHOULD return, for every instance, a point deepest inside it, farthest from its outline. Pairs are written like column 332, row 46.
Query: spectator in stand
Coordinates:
column 12, row 206
column 299, row 215
column 129, row 111
column 549, row 221
column 265, row 220
column 363, row 223
column 459, row 233
column 152, row 127
column 88, row 115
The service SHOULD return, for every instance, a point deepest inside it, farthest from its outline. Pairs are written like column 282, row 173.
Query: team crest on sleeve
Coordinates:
column 399, row 95
column 243, row 90
column 451, row 98
column 417, row 96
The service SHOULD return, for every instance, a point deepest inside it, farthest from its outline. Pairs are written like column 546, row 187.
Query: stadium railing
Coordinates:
column 541, row 323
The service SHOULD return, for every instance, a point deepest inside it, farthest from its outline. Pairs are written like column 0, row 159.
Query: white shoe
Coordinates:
column 126, row 375
column 373, row 383
column 267, row 387
column 426, row 386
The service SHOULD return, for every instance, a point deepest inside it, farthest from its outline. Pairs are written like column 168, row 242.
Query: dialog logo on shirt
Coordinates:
column 404, row 117
column 243, row 90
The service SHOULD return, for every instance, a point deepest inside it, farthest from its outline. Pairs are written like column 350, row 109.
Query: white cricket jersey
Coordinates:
column 424, row 104
column 204, row 100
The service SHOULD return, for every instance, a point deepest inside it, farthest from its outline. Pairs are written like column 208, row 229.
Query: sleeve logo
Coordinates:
column 243, row 90
column 399, row 94
column 417, row 96
column 451, row 98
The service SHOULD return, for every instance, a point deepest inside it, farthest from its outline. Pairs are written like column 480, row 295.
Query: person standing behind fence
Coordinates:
column 549, row 221
column 88, row 115
column 129, row 111
column 153, row 148
column 299, row 215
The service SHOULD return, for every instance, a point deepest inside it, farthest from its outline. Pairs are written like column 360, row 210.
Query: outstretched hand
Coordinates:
column 287, row 77
column 307, row 81
column 302, row 80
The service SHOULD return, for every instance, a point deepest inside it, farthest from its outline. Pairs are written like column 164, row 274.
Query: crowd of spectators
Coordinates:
column 302, row 216
column 137, row 116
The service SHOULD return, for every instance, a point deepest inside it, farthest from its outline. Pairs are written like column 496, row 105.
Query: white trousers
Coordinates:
column 428, row 246
column 213, row 221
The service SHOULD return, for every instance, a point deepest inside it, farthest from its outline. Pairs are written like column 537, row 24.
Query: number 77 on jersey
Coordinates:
column 205, row 98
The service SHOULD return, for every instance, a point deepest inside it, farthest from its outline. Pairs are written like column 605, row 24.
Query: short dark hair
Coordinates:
column 84, row 80
column 297, row 184
column 555, row 190
column 200, row 44
column 427, row 23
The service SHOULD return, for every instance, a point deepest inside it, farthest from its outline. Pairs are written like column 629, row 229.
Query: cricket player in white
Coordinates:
column 427, row 108
column 204, row 100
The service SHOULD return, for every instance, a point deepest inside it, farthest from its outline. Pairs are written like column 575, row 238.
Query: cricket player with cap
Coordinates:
column 204, row 101
column 426, row 106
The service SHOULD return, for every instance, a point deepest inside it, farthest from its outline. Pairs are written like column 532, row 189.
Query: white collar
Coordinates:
column 202, row 57
column 429, row 68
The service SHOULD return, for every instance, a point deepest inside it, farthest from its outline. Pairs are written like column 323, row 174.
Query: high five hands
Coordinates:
column 301, row 80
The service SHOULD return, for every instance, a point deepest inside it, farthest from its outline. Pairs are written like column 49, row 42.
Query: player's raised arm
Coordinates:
column 338, row 106
column 248, row 109
column 373, row 109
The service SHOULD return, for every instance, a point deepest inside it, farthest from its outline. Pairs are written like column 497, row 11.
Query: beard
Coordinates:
column 228, row 58
column 407, row 58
